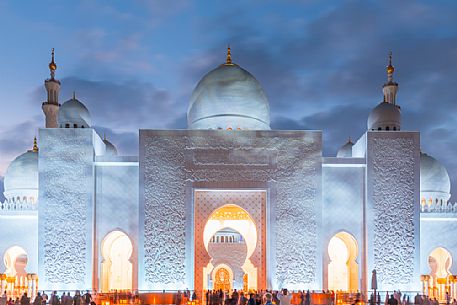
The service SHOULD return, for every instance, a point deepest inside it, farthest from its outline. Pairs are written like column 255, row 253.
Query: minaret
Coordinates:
column 390, row 88
column 51, row 106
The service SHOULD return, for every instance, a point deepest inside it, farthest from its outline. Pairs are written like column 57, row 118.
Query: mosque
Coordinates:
column 227, row 203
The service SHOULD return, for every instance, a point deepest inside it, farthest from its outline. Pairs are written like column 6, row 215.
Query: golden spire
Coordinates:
column 390, row 69
column 35, row 145
column 52, row 64
column 228, row 60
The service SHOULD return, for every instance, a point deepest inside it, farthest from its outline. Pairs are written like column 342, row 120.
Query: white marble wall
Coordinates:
column 287, row 162
column 116, row 203
column 438, row 230
column 393, row 174
column 65, row 212
column 343, row 199
column 20, row 229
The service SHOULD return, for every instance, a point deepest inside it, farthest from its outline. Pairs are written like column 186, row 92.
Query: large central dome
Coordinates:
column 228, row 97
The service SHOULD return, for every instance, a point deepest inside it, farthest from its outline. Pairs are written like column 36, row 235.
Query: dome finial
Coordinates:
column 52, row 64
column 74, row 94
column 390, row 69
column 228, row 60
column 35, row 145
column 104, row 136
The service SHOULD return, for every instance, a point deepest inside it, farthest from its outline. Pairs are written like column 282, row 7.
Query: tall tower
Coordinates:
column 51, row 106
column 390, row 88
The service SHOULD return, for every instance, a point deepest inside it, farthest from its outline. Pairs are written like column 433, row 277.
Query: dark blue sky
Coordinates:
column 322, row 64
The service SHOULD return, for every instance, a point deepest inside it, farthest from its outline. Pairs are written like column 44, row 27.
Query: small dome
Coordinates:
column 110, row 148
column 346, row 150
column 434, row 179
column 385, row 116
column 228, row 97
column 21, row 178
column 73, row 114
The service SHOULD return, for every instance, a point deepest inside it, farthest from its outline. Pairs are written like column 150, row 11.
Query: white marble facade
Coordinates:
column 64, row 199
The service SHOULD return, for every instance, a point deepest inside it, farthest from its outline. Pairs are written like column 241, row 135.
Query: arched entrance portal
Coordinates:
column 15, row 260
column 116, row 269
column 222, row 278
column 17, row 282
column 226, row 218
column 440, row 262
column 343, row 269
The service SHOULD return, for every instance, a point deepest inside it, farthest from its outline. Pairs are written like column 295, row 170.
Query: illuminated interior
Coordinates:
column 440, row 262
column 15, row 260
column 116, row 265
column 343, row 268
column 233, row 217
column 222, row 278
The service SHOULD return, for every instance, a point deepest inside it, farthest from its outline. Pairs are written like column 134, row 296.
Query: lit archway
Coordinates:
column 343, row 269
column 222, row 277
column 116, row 269
column 233, row 217
column 15, row 260
column 440, row 262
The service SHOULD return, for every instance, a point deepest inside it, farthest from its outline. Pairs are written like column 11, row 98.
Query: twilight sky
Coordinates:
column 322, row 64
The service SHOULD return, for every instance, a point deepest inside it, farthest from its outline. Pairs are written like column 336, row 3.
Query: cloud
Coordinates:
column 17, row 139
column 321, row 65
column 122, row 106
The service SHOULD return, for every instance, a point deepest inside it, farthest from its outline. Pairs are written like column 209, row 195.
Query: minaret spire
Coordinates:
column 228, row 60
column 35, row 145
column 390, row 88
column 52, row 65
column 52, row 85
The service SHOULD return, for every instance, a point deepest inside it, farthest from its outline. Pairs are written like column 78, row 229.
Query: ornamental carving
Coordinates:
column 394, row 206
column 288, row 161
column 66, row 188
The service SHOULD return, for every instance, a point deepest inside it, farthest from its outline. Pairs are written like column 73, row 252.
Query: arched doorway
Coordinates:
column 228, row 247
column 15, row 260
column 440, row 262
column 343, row 271
column 222, row 278
column 225, row 224
column 116, row 269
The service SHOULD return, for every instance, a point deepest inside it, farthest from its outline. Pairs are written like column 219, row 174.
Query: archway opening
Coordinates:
column 222, row 278
column 231, row 223
column 227, row 247
column 343, row 271
column 15, row 260
column 116, row 269
column 440, row 262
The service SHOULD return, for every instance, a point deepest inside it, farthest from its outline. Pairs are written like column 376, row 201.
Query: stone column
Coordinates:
column 29, row 285
column 34, row 284
column 2, row 283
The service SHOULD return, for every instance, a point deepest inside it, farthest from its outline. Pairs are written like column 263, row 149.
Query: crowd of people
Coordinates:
column 262, row 297
column 220, row 297
column 53, row 299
